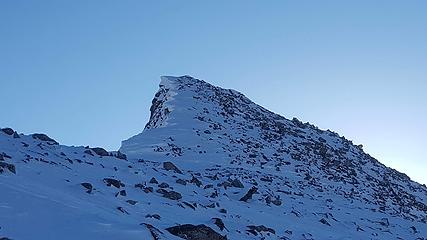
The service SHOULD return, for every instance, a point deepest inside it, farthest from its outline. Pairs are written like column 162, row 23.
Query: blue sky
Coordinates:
column 84, row 72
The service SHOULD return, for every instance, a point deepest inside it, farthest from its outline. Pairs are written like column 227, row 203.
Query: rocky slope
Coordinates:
column 210, row 164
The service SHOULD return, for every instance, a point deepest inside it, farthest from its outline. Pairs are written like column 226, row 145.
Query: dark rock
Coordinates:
column 156, row 216
column 88, row 186
column 155, row 233
column 100, row 151
column 154, row 180
column 324, row 222
column 122, row 210
column 8, row 131
column 113, row 182
column 259, row 229
column 8, row 166
column 161, row 191
column 87, row 151
column 237, row 184
column 172, row 195
column 219, row 223
column 192, row 232
column 120, row 155
column 16, row 135
column 181, row 181
column 276, row 201
column 44, row 138
column 121, row 193
column 132, row 202
column 169, row 166
column 222, row 210
column 196, row 181
column 163, row 185
column 249, row 194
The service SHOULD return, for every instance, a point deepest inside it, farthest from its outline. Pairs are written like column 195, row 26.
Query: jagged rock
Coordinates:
column 192, row 232
column 121, row 193
column 120, row 155
column 8, row 166
column 181, row 181
column 16, row 135
column 236, row 183
column 132, row 202
column 100, row 151
column 255, row 230
column 163, row 185
column 172, row 195
column 249, row 194
column 88, row 187
column 8, row 131
column 196, row 181
column 219, row 223
column 155, row 233
column 276, row 201
column 153, row 180
column 156, row 216
column 169, row 166
column 113, row 182
column 121, row 209
column 324, row 222
column 88, row 151
column 45, row 138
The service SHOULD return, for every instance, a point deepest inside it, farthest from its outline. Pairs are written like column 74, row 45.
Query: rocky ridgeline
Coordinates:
column 211, row 164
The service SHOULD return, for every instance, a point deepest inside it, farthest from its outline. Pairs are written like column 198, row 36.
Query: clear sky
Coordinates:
column 84, row 72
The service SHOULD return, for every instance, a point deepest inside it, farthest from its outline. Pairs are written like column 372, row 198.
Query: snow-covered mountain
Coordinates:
column 210, row 164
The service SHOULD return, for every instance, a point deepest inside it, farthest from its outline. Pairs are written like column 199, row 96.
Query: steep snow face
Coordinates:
column 210, row 163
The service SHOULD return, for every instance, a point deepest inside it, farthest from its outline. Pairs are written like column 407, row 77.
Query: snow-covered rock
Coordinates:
column 210, row 164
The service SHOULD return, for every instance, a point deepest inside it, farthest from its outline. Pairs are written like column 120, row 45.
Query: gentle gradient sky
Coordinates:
column 84, row 72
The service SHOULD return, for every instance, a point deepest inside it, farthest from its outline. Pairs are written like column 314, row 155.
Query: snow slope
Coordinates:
column 306, row 183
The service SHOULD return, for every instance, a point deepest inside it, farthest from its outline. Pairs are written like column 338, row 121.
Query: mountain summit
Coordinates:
column 210, row 164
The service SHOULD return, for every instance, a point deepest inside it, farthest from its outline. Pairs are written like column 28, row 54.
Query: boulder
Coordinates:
column 8, row 166
column 255, row 230
column 100, row 151
column 163, row 185
column 44, row 138
column 153, row 180
column 249, row 194
column 88, row 187
column 120, row 155
column 113, row 182
column 193, row 232
column 169, row 166
column 181, row 181
column 236, row 183
column 172, row 195
column 8, row 131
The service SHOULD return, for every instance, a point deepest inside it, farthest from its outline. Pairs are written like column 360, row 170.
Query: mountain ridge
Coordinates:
column 209, row 163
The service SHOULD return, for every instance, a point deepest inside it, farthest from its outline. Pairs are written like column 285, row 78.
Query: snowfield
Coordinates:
column 210, row 164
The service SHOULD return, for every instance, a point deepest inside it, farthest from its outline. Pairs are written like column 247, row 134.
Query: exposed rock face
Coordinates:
column 44, row 137
column 192, row 232
column 88, row 187
column 171, row 167
column 172, row 195
column 249, row 194
column 8, row 131
column 7, row 166
column 100, row 151
column 113, row 182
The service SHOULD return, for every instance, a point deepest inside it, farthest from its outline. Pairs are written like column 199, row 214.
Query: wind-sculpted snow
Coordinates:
column 210, row 164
